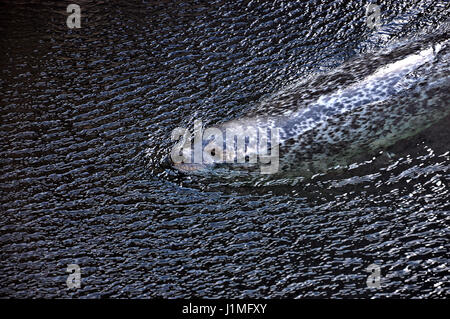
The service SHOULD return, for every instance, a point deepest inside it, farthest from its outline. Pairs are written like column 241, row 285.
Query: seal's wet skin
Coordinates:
column 407, row 92
column 87, row 179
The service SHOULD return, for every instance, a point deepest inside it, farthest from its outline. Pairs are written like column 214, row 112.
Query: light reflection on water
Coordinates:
column 86, row 119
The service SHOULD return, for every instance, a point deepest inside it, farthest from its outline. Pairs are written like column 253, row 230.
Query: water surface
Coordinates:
column 85, row 123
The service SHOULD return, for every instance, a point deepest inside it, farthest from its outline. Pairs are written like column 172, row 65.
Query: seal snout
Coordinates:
column 166, row 162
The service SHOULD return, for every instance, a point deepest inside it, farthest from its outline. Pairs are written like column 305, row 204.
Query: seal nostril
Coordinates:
column 166, row 162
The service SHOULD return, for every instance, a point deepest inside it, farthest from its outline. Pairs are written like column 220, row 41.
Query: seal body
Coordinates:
column 330, row 120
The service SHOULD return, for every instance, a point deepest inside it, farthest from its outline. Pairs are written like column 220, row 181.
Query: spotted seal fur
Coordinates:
column 365, row 105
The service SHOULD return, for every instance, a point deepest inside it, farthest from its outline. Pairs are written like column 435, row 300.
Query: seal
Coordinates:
column 330, row 120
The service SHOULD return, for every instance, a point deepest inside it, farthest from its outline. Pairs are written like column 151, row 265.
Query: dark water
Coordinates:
column 86, row 117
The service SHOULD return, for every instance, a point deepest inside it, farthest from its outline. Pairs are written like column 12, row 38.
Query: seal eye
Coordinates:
column 213, row 152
